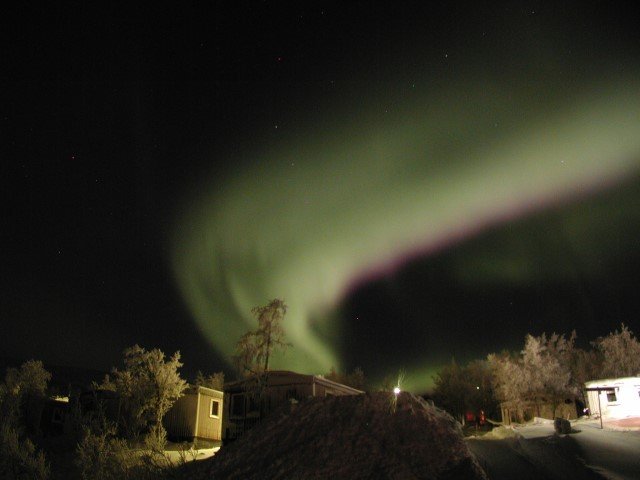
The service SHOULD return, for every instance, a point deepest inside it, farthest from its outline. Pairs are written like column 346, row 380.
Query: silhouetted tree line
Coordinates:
column 548, row 370
column 255, row 349
column 127, row 444
column 21, row 389
column 118, row 432
column 354, row 379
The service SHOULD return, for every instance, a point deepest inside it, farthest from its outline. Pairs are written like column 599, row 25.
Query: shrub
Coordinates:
column 102, row 456
column 19, row 458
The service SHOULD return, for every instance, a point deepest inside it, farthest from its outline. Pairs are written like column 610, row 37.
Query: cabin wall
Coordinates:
column 241, row 414
column 625, row 401
column 279, row 392
column 210, row 426
column 320, row 390
column 191, row 416
column 592, row 399
column 180, row 420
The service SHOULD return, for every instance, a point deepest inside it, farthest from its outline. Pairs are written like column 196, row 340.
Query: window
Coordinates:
column 611, row 396
column 214, row 411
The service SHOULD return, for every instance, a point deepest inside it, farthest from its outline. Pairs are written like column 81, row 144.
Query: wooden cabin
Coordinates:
column 46, row 415
column 95, row 400
column 197, row 414
column 283, row 387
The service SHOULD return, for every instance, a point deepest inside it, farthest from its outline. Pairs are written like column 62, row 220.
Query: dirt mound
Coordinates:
column 349, row 437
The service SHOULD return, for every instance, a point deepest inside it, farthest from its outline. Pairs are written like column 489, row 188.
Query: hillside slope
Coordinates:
column 348, row 437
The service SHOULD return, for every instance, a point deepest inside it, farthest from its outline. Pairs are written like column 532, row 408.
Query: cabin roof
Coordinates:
column 206, row 390
column 612, row 382
column 286, row 377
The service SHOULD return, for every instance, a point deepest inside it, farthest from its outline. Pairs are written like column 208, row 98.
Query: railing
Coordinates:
column 242, row 425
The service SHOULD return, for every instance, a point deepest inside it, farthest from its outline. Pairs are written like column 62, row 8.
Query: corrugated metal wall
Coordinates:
column 180, row 420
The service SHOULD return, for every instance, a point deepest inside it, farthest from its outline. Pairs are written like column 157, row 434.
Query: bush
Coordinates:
column 102, row 456
column 18, row 457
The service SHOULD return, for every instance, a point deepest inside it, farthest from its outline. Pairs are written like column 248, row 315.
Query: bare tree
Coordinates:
column 452, row 389
column 547, row 369
column 508, row 378
column 214, row 380
column 19, row 458
column 585, row 365
column 148, row 387
column 255, row 349
column 460, row 389
column 540, row 374
column 24, row 385
column 30, row 379
column 478, row 373
column 621, row 353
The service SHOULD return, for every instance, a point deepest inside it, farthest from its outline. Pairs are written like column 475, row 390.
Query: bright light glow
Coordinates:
column 396, row 390
column 362, row 202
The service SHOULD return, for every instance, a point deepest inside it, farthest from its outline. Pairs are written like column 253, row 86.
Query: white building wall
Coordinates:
column 621, row 398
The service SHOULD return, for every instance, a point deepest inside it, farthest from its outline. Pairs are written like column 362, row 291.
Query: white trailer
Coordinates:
column 614, row 397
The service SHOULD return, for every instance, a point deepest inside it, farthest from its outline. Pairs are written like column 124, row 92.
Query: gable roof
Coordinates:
column 212, row 392
column 612, row 382
column 289, row 378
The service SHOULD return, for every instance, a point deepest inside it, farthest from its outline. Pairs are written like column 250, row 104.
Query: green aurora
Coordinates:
column 309, row 219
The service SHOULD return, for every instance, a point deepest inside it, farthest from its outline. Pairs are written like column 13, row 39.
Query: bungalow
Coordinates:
column 283, row 387
column 106, row 401
column 47, row 415
column 196, row 414
column 615, row 397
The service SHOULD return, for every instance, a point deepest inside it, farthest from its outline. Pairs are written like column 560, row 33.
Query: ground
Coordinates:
column 534, row 451
column 374, row 435
column 199, row 449
column 367, row 437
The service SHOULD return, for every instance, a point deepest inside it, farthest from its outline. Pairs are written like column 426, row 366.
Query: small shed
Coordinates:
column 614, row 397
column 197, row 414
column 520, row 412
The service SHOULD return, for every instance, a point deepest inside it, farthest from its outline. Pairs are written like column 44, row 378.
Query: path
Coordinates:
column 535, row 452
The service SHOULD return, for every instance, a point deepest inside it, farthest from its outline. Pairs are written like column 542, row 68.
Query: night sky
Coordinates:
column 417, row 181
